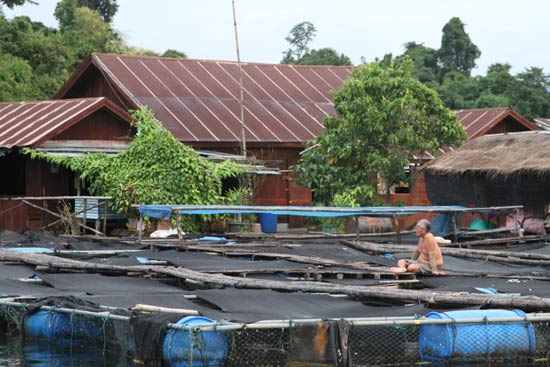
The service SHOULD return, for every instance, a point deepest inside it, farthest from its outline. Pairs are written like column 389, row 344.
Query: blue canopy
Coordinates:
column 165, row 211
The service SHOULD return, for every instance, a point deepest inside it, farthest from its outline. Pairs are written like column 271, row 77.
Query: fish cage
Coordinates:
column 454, row 336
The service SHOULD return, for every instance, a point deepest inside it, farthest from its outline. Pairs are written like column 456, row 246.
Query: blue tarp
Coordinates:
column 165, row 211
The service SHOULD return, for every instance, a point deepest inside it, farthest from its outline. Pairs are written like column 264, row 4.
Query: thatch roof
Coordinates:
column 503, row 156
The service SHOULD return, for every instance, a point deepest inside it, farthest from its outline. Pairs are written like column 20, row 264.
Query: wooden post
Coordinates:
column 140, row 229
column 357, row 227
column 85, row 204
column 397, row 229
column 178, row 225
column 105, row 218
column 455, row 230
column 27, row 220
column 44, row 214
column 516, row 224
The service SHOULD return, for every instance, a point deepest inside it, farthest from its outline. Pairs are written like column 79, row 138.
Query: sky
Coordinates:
column 510, row 31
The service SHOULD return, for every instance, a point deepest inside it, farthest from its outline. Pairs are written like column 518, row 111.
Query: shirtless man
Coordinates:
column 427, row 258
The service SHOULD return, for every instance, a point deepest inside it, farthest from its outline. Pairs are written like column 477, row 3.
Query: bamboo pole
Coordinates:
column 397, row 229
column 500, row 256
column 151, row 308
column 105, row 208
column 351, row 211
column 85, row 204
column 140, row 227
column 178, row 227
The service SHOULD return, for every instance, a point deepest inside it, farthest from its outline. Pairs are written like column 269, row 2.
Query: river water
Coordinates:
column 14, row 352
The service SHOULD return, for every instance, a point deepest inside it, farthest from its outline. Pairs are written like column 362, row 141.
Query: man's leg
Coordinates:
column 401, row 266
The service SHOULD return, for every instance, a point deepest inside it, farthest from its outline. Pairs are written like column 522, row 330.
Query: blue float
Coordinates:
column 268, row 222
column 182, row 348
column 62, row 329
column 438, row 342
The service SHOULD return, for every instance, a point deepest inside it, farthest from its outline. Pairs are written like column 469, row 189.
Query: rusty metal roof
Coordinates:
column 31, row 123
column 478, row 121
column 198, row 100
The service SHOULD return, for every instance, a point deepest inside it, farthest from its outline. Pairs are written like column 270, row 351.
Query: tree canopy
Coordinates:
column 448, row 71
column 384, row 117
column 36, row 60
column 299, row 53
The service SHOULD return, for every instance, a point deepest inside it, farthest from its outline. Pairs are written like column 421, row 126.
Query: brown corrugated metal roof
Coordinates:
column 478, row 121
column 198, row 100
column 31, row 123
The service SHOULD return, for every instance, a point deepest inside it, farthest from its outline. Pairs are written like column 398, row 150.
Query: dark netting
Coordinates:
column 65, row 333
column 267, row 347
column 148, row 332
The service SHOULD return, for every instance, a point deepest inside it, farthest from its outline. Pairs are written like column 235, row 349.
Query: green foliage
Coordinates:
column 323, row 56
column 106, row 8
column 299, row 38
column 155, row 169
column 299, row 52
column 11, row 3
column 16, row 78
column 448, row 69
column 384, row 117
column 53, row 54
column 457, row 52
column 174, row 53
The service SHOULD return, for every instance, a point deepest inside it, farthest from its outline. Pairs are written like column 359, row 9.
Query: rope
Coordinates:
column 72, row 329
column 105, row 319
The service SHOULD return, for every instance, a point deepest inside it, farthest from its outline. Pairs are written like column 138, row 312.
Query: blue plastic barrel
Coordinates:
column 59, row 329
column 466, row 341
column 268, row 222
column 182, row 348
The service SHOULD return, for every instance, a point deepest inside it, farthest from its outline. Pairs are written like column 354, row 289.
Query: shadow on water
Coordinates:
column 18, row 353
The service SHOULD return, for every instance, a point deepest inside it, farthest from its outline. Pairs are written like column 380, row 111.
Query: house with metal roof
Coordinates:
column 66, row 127
column 199, row 102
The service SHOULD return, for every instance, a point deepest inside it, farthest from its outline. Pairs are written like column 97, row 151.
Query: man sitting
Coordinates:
column 427, row 258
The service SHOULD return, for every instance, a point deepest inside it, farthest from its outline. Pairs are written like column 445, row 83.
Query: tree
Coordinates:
column 384, row 117
column 425, row 59
column 88, row 33
column 11, row 3
column 299, row 38
column 458, row 91
column 174, row 53
column 457, row 52
column 106, row 8
column 16, row 79
column 324, row 56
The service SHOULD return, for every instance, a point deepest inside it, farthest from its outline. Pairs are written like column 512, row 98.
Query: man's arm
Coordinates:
column 415, row 255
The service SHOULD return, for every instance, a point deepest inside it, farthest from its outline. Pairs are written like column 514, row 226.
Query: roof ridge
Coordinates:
column 223, row 61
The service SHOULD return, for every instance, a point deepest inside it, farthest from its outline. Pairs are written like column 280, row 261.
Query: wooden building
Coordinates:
column 198, row 101
column 66, row 127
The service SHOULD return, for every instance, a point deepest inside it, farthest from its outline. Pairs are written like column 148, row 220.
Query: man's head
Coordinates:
column 423, row 227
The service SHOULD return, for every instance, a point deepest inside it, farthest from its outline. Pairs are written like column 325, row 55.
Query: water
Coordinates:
column 15, row 352
column 18, row 353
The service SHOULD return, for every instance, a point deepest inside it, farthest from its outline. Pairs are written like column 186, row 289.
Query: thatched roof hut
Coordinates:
column 503, row 169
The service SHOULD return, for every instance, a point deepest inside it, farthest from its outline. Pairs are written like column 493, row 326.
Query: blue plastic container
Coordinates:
column 464, row 342
column 57, row 328
column 268, row 222
column 182, row 348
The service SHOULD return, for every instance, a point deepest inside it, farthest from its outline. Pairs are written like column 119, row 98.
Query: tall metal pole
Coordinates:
column 243, row 130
